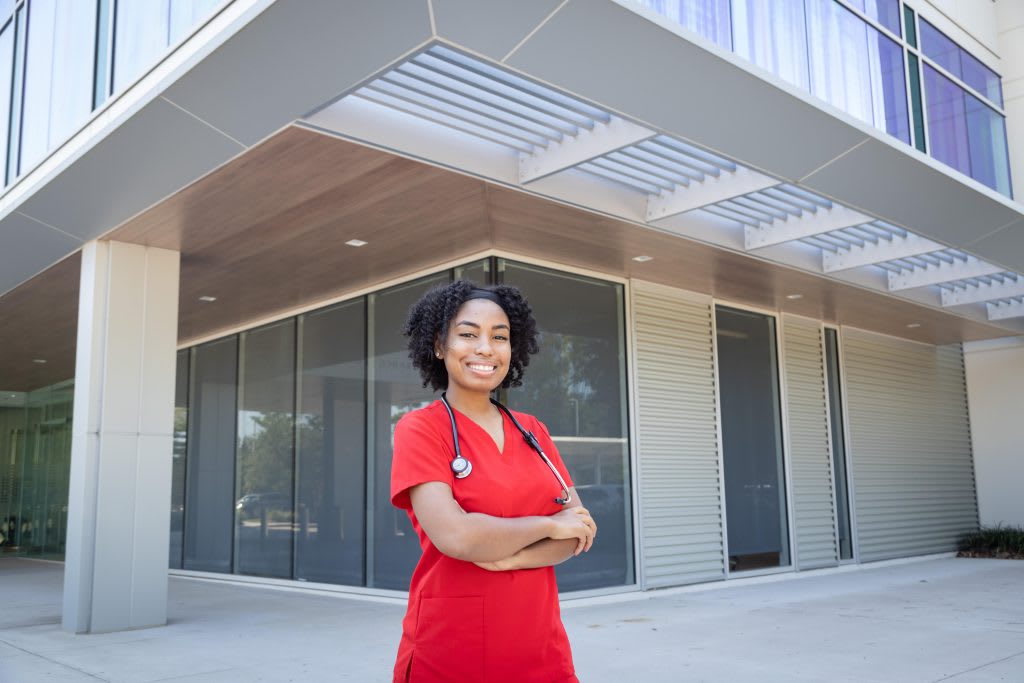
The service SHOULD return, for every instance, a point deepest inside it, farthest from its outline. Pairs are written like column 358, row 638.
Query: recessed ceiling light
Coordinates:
column 208, row 299
column 913, row 326
column 794, row 297
column 643, row 258
column 356, row 243
column 40, row 361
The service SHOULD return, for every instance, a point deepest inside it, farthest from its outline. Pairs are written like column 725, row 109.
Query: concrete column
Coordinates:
column 115, row 574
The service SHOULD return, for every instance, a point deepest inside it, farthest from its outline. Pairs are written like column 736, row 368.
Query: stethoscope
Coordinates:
column 462, row 467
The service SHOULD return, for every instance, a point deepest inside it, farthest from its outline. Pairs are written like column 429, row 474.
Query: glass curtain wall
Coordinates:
column 35, row 464
column 178, row 454
column 858, row 56
column 295, row 481
column 264, row 460
column 840, row 472
column 210, row 468
column 754, row 470
column 577, row 386
column 57, row 58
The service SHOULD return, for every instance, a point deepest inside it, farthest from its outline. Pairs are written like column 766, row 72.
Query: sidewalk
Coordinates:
column 934, row 620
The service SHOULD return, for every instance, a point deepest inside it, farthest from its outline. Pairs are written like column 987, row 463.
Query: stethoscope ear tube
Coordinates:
column 462, row 467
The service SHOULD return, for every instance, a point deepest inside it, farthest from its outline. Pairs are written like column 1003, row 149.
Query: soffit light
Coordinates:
column 643, row 258
column 208, row 299
column 794, row 297
column 39, row 361
column 913, row 326
column 357, row 243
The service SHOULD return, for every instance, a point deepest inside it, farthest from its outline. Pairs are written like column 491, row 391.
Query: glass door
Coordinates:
column 755, row 490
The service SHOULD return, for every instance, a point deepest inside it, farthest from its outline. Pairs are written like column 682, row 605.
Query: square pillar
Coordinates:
column 115, row 572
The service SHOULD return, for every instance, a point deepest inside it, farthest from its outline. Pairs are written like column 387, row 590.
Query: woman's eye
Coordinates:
column 467, row 335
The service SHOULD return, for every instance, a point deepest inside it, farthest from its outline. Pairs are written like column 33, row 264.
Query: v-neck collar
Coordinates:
column 504, row 429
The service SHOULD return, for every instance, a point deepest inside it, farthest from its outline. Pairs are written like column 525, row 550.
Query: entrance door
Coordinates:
column 755, row 492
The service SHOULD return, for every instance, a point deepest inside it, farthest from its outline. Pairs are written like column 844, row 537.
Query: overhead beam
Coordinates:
column 711, row 190
column 823, row 220
column 944, row 272
column 877, row 252
column 973, row 294
column 1003, row 311
column 602, row 139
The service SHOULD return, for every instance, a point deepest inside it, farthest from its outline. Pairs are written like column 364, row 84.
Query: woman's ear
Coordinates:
column 437, row 348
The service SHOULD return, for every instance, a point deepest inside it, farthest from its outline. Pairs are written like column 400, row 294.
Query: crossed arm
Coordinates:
column 501, row 543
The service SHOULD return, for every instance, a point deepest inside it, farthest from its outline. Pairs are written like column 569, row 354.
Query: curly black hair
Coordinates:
column 431, row 316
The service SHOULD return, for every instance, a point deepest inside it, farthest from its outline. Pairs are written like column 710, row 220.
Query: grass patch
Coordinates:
column 1003, row 542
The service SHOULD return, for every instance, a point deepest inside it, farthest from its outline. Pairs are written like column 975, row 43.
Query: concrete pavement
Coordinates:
column 942, row 619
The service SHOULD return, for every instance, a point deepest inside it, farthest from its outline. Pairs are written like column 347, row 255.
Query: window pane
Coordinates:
column 986, row 140
column 982, row 79
column 576, row 385
column 210, row 471
column 6, row 69
column 885, row 12
column 947, row 121
column 266, row 430
column 755, row 493
column 140, row 37
column 835, row 407
column 857, row 69
column 185, row 14
column 331, row 444
column 58, row 75
column 395, row 389
column 773, row 36
column 940, row 49
column 178, row 456
column 709, row 18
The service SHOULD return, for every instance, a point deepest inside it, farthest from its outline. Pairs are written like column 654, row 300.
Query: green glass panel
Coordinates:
column 915, row 102
column 910, row 26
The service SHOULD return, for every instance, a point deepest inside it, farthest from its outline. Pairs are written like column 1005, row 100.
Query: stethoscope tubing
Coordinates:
column 462, row 467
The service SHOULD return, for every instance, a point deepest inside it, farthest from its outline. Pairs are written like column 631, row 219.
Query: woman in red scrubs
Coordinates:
column 483, row 603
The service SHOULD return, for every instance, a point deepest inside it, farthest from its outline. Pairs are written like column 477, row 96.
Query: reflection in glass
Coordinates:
column 6, row 67
column 708, row 18
column 58, row 75
column 576, row 385
column 856, row 68
column 331, row 443
column 963, row 65
column 178, row 455
column 835, row 407
column 266, row 431
column 395, row 389
column 755, row 493
column 210, row 470
column 773, row 36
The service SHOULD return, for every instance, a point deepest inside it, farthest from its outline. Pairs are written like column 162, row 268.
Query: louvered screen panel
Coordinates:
column 910, row 443
column 808, row 443
column 677, row 439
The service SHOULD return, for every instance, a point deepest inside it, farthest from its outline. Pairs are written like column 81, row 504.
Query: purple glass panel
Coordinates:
column 773, row 36
column 981, row 78
column 709, row 18
column 940, row 49
column 947, row 121
column 885, row 12
column 889, row 88
column 986, row 140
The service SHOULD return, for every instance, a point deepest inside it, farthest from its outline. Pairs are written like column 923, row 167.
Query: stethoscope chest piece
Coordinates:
column 461, row 467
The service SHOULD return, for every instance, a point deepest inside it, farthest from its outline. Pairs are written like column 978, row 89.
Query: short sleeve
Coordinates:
column 551, row 450
column 419, row 456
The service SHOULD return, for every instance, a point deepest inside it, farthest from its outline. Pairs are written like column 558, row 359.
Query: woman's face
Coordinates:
column 478, row 347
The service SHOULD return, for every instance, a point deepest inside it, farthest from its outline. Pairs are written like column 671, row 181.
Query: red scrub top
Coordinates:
column 466, row 624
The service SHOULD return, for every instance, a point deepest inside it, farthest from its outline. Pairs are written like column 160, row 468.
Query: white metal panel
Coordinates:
column 812, row 498
column 910, row 441
column 677, row 439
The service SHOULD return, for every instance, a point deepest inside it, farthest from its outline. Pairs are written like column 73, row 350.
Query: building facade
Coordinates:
column 772, row 248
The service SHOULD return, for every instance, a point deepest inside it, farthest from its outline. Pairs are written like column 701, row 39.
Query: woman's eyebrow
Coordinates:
column 470, row 323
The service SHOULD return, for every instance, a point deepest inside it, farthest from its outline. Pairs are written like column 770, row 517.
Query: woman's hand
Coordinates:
column 575, row 522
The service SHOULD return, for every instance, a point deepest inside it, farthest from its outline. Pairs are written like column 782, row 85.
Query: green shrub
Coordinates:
column 997, row 540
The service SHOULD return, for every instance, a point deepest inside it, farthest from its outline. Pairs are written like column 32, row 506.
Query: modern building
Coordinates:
column 772, row 247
